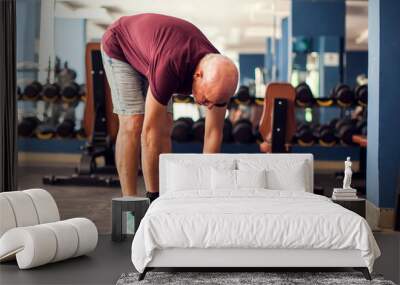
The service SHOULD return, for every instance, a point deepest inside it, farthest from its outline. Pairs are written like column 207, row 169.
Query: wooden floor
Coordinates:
column 95, row 203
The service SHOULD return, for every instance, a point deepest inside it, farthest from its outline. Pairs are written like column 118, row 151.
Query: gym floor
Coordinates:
column 110, row 260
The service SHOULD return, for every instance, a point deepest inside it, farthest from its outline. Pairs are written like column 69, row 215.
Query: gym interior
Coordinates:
column 339, row 58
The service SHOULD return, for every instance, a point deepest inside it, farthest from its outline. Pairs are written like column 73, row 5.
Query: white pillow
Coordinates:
column 223, row 179
column 293, row 179
column 237, row 179
column 280, row 174
column 185, row 175
column 251, row 178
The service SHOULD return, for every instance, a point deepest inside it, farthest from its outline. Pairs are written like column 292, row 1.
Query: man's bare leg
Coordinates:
column 156, row 139
column 127, row 151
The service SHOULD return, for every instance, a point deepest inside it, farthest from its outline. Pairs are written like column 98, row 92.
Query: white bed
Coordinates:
column 207, row 226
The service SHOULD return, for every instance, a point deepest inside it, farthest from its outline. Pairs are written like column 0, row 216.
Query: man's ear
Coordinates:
column 198, row 74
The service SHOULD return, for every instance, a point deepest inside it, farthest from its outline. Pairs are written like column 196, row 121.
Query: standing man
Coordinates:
column 147, row 58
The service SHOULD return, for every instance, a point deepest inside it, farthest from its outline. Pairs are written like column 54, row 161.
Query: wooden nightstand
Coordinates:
column 355, row 205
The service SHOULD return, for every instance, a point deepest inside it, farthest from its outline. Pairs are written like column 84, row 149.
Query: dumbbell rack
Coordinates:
column 57, row 107
column 88, row 173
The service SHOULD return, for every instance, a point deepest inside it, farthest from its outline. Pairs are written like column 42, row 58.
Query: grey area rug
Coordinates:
column 233, row 278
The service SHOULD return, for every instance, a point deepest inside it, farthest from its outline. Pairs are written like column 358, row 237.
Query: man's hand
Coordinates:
column 214, row 129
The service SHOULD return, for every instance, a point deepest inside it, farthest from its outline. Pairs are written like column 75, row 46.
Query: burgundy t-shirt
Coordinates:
column 166, row 50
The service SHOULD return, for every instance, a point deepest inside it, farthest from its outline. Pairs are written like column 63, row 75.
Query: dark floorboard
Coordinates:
column 103, row 266
column 93, row 203
column 110, row 260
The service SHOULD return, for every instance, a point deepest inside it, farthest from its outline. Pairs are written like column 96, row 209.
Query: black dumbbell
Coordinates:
column 81, row 134
column 66, row 128
column 242, row 96
column 32, row 90
column 227, row 131
column 333, row 123
column 343, row 95
column 182, row 129
column 45, row 131
column 82, row 92
column 257, row 136
column 198, row 130
column 51, row 92
column 345, row 129
column 242, row 131
column 304, row 96
column 71, row 92
column 27, row 127
column 304, row 134
column 361, row 94
column 362, row 126
column 325, row 134
column 181, row 98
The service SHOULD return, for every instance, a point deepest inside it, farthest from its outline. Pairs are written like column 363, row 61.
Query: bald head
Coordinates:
column 215, row 80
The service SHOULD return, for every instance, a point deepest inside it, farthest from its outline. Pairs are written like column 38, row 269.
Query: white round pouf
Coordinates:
column 33, row 246
column 7, row 216
column 23, row 208
column 46, row 207
column 87, row 233
column 67, row 240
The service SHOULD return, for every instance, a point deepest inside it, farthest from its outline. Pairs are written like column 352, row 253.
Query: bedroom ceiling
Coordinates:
column 237, row 26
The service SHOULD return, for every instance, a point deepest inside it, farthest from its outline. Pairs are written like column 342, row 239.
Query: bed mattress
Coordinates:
column 250, row 219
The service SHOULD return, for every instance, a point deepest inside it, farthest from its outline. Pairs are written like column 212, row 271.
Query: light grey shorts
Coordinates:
column 128, row 87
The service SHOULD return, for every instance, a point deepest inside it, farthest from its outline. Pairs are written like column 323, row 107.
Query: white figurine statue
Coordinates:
column 347, row 174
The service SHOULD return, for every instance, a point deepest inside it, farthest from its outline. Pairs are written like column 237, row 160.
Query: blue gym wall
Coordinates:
column 326, row 29
column 247, row 64
column 70, row 42
column 27, row 27
column 383, row 155
column 356, row 64
column 318, row 18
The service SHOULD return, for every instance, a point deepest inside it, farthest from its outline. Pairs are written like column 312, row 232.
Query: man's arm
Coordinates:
column 156, row 139
column 214, row 130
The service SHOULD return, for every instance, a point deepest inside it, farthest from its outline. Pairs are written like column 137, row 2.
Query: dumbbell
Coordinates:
column 227, row 131
column 198, row 130
column 27, row 126
column 304, row 96
column 242, row 96
column 66, row 128
column 82, row 92
column 242, row 131
column 180, row 98
column 45, row 131
column 81, row 134
column 343, row 95
column 182, row 129
column 345, row 129
column 70, row 92
column 257, row 136
column 361, row 94
column 51, row 92
column 362, row 127
column 32, row 90
column 333, row 123
column 325, row 134
column 305, row 135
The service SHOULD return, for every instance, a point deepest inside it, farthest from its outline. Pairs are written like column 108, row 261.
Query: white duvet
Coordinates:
column 253, row 218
